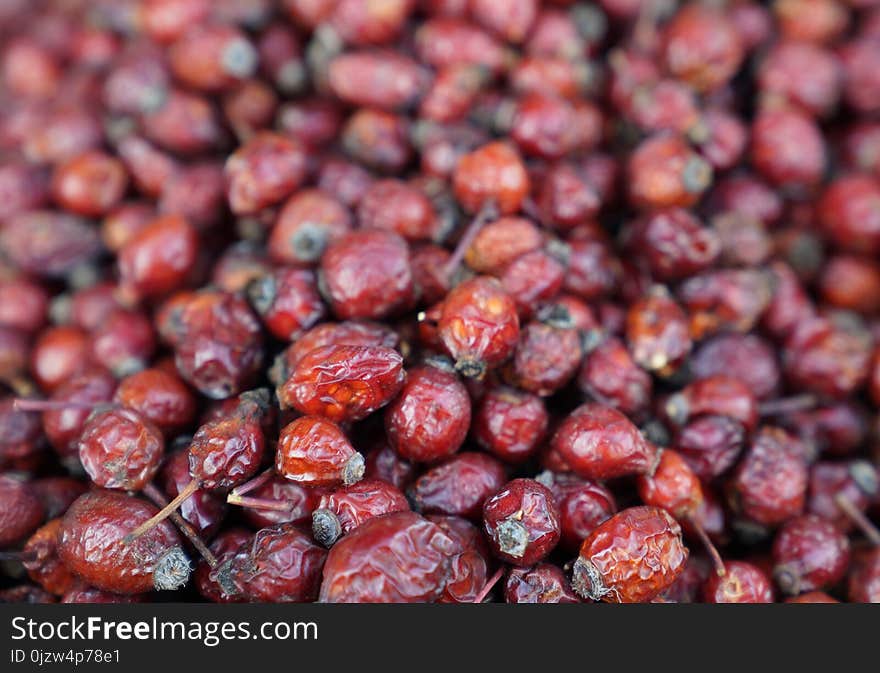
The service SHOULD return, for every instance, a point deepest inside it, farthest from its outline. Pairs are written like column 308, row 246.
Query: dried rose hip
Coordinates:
column 522, row 522
column 343, row 383
column 91, row 543
column 630, row 558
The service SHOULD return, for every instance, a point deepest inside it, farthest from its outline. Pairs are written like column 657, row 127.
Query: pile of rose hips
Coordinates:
column 440, row 300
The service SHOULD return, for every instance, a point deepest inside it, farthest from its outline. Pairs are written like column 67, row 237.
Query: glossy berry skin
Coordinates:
column 522, row 522
column 90, row 543
column 610, row 376
column 21, row 510
column 492, row 175
column 458, row 486
column 160, row 397
column 673, row 486
column 314, row 451
column 157, row 258
column 545, row 583
column 263, row 172
column 278, row 565
column 46, row 569
column 227, row 451
column 770, row 483
column 343, row 383
column 583, row 505
column 742, row 583
column 121, row 449
column 599, row 442
column 430, row 418
column 500, row 242
column 287, row 301
column 630, row 558
column 809, row 553
column 338, row 513
column 710, row 444
column 510, row 424
column 725, row 299
column 546, row 358
column 367, row 274
column 478, row 325
column 218, row 346
column 396, row 558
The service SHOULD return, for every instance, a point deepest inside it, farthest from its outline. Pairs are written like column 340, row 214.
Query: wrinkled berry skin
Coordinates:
column 458, row 486
column 630, row 558
column 510, row 423
column 367, row 274
column 227, row 451
column 673, row 244
column 314, row 451
column 20, row 510
column 396, row 558
column 279, row 565
column 430, row 418
column 121, row 449
column 479, row 325
column 809, row 553
column 46, row 569
column 90, row 543
column 545, row 583
column 219, row 348
column 770, row 483
column 599, row 442
column 856, row 480
column 341, row 511
column 741, row 583
column 343, row 383
column 522, row 522
column 224, row 547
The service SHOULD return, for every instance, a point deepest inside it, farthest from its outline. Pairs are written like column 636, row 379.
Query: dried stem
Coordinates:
column 185, row 527
column 163, row 513
column 488, row 586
